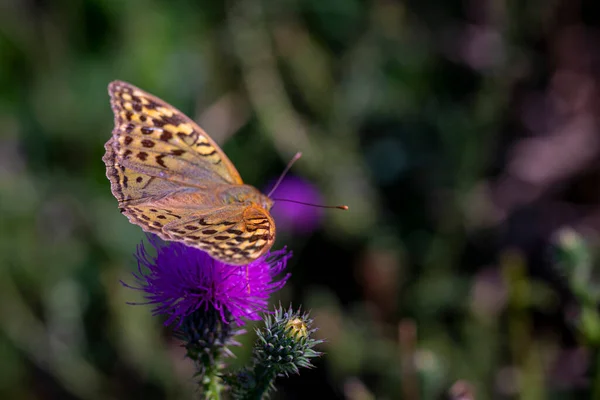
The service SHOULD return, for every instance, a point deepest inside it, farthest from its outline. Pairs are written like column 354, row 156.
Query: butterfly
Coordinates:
column 173, row 180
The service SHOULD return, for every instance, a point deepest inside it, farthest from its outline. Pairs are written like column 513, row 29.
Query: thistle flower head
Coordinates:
column 180, row 280
column 285, row 344
column 297, row 328
column 294, row 217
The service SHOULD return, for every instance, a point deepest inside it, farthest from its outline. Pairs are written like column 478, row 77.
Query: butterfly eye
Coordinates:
column 267, row 203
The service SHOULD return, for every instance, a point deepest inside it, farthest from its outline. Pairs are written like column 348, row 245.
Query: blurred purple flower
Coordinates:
column 296, row 217
column 180, row 280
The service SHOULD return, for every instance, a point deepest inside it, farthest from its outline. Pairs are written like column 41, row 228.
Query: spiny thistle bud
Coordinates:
column 282, row 347
column 297, row 327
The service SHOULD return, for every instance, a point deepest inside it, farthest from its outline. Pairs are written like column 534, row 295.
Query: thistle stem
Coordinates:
column 264, row 383
column 211, row 384
column 206, row 338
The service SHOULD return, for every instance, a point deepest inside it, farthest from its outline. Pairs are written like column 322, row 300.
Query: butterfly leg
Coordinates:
column 248, row 278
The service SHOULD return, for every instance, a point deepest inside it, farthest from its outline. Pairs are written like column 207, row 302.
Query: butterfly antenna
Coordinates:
column 285, row 171
column 312, row 205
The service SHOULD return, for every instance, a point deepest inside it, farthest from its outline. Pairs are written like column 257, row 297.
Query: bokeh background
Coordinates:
column 462, row 134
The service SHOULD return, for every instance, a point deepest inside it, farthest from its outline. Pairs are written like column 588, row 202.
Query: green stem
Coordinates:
column 211, row 383
column 206, row 337
column 264, row 382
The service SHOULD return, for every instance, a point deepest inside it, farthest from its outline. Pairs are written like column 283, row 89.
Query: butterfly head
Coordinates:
column 260, row 200
column 266, row 202
column 246, row 194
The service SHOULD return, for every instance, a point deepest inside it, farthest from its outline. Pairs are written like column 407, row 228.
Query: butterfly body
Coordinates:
column 172, row 179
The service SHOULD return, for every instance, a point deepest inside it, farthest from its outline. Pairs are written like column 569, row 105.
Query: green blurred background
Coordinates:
column 463, row 135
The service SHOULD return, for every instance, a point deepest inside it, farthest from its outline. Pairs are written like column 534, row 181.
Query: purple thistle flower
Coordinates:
column 180, row 280
column 293, row 217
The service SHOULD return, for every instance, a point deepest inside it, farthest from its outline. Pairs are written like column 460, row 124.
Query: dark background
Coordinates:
column 463, row 135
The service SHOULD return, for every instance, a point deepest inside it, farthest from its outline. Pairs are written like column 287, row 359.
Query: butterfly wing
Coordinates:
column 164, row 170
column 155, row 148
column 233, row 234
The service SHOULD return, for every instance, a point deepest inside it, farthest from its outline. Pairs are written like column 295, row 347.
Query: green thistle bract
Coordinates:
column 285, row 345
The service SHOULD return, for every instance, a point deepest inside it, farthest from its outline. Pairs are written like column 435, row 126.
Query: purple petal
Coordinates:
column 180, row 280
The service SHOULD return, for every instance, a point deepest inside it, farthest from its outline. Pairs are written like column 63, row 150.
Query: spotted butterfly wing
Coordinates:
column 172, row 179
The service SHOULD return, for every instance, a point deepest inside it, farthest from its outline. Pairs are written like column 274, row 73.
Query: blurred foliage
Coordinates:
column 462, row 135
